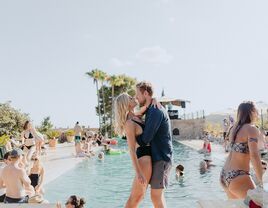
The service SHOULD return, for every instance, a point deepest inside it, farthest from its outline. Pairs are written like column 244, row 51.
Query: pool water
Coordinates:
column 107, row 183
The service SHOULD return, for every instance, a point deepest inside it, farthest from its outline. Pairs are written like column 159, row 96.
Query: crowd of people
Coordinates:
column 20, row 181
column 150, row 148
column 85, row 141
column 22, row 174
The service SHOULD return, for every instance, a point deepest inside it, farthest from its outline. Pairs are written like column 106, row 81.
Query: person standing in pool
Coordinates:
column 156, row 134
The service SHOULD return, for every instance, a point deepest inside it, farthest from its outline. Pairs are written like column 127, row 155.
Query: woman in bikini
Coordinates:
column 28, row 142
column 129, row 124
column 235, row 176
column 31, row 139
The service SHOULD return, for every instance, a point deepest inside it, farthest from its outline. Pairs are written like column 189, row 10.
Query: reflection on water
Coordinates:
column 107, row 183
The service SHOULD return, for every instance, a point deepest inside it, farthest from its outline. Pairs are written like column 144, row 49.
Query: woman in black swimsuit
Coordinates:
column 37, row 176
column 128, row 124
column 235, row 177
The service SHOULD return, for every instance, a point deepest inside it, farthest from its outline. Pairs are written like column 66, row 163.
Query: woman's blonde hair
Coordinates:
column 121, row 110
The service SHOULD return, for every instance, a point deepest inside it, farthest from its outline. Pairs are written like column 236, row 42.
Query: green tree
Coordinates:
column 95, row 75
column 123, row 84
column 11, row 120
column 103, row 78
column 46, row 125
column 114, row 81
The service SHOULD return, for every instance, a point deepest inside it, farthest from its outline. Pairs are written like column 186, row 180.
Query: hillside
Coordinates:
column 217, row 117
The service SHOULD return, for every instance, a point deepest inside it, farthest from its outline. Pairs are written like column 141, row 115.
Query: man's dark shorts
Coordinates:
column 2, row 198
column 77, row 139
column 161, row 171
column 9, row 200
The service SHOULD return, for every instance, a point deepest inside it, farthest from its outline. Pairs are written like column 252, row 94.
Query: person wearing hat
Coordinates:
column 15, row 179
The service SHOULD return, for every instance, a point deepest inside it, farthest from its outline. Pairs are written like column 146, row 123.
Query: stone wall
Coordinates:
column 188, row 129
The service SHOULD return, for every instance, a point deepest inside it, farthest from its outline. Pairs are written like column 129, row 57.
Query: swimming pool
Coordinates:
column 107, row 183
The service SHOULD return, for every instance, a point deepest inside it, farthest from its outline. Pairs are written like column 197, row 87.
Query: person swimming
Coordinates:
column 179, row 170
column 203, row 167
column 101, row 156
column 208, row 160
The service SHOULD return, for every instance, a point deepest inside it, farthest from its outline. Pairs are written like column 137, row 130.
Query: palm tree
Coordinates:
column 95, row 74
column 129, row 82
column 103, row 78
column 114, row 81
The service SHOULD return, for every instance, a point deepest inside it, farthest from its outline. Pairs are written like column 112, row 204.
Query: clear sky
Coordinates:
column 213, row 53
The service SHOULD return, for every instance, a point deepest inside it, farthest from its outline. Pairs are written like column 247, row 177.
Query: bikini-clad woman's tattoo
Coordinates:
column 253, row 140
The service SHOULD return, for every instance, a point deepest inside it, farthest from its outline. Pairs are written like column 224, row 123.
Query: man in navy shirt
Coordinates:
column 157, row 134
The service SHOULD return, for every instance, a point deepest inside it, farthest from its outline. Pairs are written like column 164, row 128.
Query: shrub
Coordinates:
column 69, row 132
column 11, row 120
column 52, row 134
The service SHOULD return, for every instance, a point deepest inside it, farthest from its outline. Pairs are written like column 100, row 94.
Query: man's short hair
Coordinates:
column 145, row 86
column 6, row 155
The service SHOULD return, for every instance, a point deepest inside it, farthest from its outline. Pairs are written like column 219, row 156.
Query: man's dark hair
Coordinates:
column 180, row 167
column 6, row 155
column 25, row 125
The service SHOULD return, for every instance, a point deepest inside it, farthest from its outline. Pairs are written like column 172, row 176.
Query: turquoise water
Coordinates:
column 107, row 183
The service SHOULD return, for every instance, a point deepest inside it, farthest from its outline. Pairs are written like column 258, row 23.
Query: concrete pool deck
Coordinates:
column 60, row 160
column 216, row 152
column 222, row 204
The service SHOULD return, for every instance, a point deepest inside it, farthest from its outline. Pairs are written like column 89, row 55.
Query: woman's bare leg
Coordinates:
column 138, row 190
column 240, row 185
column 38, row 147
column 228, row 193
